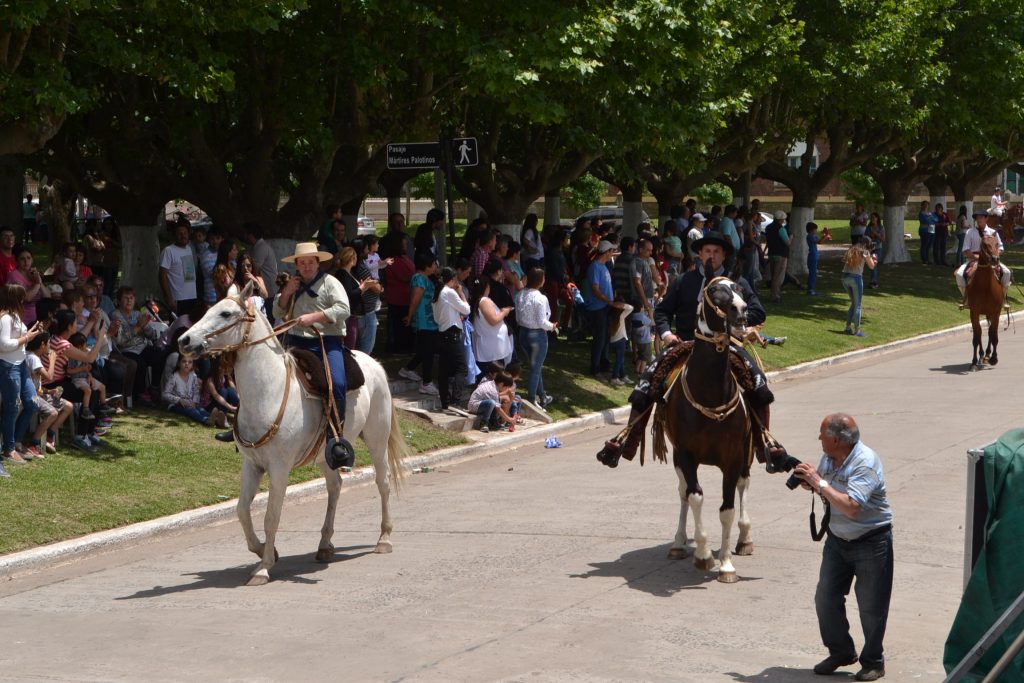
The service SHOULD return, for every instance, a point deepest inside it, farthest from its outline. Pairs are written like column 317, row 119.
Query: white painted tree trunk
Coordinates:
column 662, row 221
column 938, row 199
column 473, row 211
column 282, row 246
column 895, row 227
column 799, row 217
column 970, row 207
column 552, row 210
column 631, row 216
column 140, row 260
column 513, row 229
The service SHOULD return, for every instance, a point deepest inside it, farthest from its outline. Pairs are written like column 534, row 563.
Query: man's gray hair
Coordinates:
column 846, row 433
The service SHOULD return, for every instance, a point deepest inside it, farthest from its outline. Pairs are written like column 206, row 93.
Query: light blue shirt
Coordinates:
column 728, row 228
column 598, row 273
column 860, row 477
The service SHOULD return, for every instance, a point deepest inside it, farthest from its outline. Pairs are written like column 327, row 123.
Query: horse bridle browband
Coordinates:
column 721, row 341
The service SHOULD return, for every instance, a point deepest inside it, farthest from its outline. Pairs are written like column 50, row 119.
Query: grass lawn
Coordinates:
column 154, row 464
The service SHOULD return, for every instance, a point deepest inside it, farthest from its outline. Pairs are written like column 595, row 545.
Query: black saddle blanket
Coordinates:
column 311, row 369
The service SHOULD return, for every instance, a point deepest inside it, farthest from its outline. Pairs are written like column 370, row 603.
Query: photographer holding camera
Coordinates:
column 850, row 480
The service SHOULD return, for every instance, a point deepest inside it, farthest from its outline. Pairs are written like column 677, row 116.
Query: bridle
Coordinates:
column 721, row 341
column 247, row 318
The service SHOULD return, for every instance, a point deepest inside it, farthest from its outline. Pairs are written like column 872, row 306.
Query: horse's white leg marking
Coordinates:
column 333, row 480
column 680, row 540
column 742, row 488
column 251, row 475
column 725, row 554
column 703, row 553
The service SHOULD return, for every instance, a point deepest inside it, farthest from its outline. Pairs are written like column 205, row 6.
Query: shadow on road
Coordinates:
column 783, row 675
column 958, row 369
column 649, row 570
column 292, row 568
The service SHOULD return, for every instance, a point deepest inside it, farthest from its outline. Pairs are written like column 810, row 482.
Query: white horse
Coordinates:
column 280, row 426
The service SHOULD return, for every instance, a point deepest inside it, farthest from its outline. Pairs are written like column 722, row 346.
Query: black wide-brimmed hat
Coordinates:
column 713, row 238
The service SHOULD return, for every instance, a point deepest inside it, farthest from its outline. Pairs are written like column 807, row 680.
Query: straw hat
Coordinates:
column 307, row 249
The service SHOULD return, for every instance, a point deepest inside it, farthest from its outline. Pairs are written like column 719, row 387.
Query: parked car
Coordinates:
column 610, row 214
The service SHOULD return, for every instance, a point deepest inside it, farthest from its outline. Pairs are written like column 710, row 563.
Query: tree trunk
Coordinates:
column 632, row 209
column 513, row 229
column 746, row 181
column 667, row 196
column 799, row 217
column 394, row 203
column 937, row 190
column 893, row 215
column 969, row 203
column 12, row 193
column 552, row 207
column 473, row 211
column 350, row 214
column 140, row 260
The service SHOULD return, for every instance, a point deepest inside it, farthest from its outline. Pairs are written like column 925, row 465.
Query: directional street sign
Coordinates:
column 425, row 155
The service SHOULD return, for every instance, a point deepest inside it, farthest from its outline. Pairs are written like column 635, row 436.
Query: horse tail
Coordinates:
column 398, row 450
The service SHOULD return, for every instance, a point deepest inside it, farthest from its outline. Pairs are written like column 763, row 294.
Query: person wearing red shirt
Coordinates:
column 398, row 271
column 8, row 261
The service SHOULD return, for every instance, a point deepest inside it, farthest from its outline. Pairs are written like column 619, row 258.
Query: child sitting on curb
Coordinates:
column 486, row 401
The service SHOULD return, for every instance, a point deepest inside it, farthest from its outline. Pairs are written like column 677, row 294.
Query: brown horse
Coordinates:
column 985, row 298
column 1005, row 224
column 708, row 423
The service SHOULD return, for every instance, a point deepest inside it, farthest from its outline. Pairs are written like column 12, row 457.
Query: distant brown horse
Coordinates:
column 708, row 423
column 1005, row 224
column 985, row 298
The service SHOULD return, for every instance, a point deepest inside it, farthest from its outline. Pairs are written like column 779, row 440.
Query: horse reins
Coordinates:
column 721, row 341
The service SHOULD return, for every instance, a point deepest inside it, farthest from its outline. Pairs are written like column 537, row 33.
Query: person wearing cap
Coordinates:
column 777, row 239
column 316, row 301
column 597, row 304
column 680, row 305
column 972, row 248
column 695, row 233
column 997, row 205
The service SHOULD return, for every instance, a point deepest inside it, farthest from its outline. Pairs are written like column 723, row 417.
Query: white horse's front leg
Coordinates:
column 726, row 572
column 744, row 544
column 333, row 479
column 251, row 476
column 381, row 474
column 678, row 549
column 275, row 501
column 702, row 558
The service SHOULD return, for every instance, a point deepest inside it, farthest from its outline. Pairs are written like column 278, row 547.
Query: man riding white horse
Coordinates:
column 972, row 248
column 317, row 301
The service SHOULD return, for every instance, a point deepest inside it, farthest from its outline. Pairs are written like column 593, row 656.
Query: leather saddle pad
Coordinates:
column 311, row 371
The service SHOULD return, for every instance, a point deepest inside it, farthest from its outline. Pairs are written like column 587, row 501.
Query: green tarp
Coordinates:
column 998, row 576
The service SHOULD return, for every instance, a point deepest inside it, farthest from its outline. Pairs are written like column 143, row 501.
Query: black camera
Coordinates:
column 787, row 464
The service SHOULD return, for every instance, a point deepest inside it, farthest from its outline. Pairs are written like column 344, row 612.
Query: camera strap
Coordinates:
column 818, row 534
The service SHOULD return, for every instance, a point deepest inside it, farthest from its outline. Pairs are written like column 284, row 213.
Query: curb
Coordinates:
column 64, row 552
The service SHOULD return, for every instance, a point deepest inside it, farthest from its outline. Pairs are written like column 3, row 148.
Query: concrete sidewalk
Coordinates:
column 536, row 564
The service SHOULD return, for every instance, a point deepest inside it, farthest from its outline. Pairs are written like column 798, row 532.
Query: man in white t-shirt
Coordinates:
column 997, row 205
column 972, row 247
column 858, row 224
column 263, row 257
column 178, row 275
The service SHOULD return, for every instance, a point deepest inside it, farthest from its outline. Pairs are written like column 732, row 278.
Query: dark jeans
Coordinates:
column 870, row 561
column 450, row 359
column 926, row 244
column 598, row 323
column 150, row 357
column 400, row 336
column 335, row 361
column 193, row 308
column 426, row 347
column 939, row 246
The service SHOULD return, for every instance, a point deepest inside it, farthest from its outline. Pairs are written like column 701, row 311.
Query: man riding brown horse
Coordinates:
column 973, row 244
column 680, row 303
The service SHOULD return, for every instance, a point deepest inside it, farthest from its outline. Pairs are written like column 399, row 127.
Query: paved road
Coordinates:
column 537, row 565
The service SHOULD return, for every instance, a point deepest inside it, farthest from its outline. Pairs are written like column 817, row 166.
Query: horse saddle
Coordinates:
column 313, row 378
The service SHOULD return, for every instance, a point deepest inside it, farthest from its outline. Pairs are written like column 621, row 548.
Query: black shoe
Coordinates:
column 870, row 674
column 339, row 453
column 226, row 437
column 832, row 662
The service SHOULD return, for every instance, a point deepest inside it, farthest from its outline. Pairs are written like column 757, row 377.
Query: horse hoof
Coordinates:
column 677, row 554
column 992, row 361
column 383, row 548
column 727, row 577
column 258, row 579
column 744, row 548
column 324, row 555
column 705, row 565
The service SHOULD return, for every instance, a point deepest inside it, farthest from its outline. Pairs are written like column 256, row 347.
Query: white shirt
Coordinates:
column 11, row 328
column 449, row 309
column 180, row 265
column 490, row 342
column 533, row 311
column 972, row 241
column 997, row 204
column 532, row 238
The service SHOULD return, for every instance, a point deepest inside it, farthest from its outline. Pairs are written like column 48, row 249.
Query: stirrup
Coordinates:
column 610, row 454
